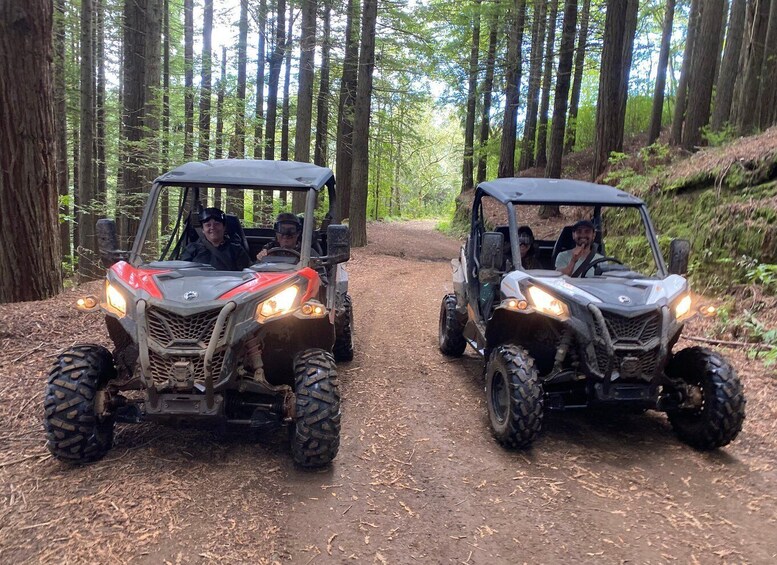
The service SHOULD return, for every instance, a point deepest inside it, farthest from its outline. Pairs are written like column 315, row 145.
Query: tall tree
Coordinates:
column 276, row 59
column 535, row 78
column 632, row 11
column 488, row 87
column 703, row 74
column 28, row 179
column 682, row 88
column 563, row 80
column 203, row 149
column 165, row 145
column 577, row 81
column 305, row 93
column 541, row 159
column 512, row 89
column 747, row 118
column 222, row 92
column 467, row 177
column 361, row 125
column 236, row 198
column 101, row 179
column 263, row 200
column 724, row 91
column 286, row 109
column 663, row 58
column 60, row 115
column 767, row 101
column 188, row 62
column 322, row 108
column 610, row 79
column 345, row 113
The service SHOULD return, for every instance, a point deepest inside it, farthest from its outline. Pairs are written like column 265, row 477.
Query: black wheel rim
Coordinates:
column 499, row 397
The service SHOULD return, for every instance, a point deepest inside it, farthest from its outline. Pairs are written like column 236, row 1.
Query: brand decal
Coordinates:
column 191, row 295
column 624, row 299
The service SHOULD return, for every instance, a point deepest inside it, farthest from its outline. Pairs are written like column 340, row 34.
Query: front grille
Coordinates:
column 164, row 374
column 634, row 341
column 638, row 330
column 171, row 330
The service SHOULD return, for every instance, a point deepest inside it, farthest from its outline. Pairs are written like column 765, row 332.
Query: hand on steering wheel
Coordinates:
column 596, row 262
column 282, row 251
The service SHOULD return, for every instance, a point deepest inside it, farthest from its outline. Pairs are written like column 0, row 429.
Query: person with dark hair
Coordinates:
column 574, row 262
column 526, row 246
column 288, row 230
column 215, row 248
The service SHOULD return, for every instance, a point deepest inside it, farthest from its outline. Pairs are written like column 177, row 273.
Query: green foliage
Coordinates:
column 718, row 138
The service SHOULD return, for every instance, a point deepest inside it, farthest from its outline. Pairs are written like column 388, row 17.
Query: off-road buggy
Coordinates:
column 253, row 348
column 603, row 340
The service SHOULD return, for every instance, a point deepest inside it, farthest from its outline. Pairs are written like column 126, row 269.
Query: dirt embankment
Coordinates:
column 418, row 478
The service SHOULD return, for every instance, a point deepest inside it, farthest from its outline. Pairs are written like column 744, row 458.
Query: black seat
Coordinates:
column 234, row 230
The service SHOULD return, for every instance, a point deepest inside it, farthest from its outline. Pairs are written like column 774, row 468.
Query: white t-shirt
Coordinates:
column 563, row 259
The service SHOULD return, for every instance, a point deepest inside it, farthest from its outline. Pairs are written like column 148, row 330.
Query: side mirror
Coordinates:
column 491, row 251
column 679, row 251
column 338, row 244
column 108, row 243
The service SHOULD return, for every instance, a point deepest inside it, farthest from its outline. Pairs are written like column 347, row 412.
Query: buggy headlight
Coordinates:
column 115, row 299
column 547, row 303
column 278, row 304
column 682, row 307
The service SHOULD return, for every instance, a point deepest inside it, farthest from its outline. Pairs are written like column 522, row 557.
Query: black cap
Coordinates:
column 583, row 224
column 287, row 218
column 212, row 214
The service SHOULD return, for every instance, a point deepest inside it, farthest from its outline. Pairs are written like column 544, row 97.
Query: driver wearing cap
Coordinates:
column 573, row 262
column 215, row 249
column 287, row 235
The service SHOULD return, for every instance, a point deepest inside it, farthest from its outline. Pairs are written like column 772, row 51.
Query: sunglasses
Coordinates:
column 290, row 231
column 524, row 240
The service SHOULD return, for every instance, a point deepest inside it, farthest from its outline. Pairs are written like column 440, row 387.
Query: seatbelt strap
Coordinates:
column 584, row 267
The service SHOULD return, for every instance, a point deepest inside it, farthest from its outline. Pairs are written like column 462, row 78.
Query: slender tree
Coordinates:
column 276, row 59
column 541, row 159
column 361, row 125
column 28, row 180
column 577, row 81
column 188, row 61
column 512, row 90
column 236, row 198
column 535, row 78
column 467, row 177
column 165, row 144
column 632, row 11
column 747, row 116
column 322, row 109
column 767, row 101
column 663, row 58
column 203, row 149
column 563, row 80
column 222, row 92
column 488, row 87
column 305, row 93
column 60, row 115
column 345, row 113
column 286, row 109
column 682, row 89
column 263, row 200
column 724, row 91
column 101, row 177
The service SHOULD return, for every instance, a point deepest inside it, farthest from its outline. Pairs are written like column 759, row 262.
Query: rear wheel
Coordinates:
column 716, row 396
column 514, row 396
column 343, row 348
column 451, row 330
column 78, row 428
column 315, row 436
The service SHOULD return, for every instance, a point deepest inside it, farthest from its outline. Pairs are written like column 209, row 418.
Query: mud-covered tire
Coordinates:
column 315, row 435
column 343, row 347
column 514, row 397
column 720, row 418
column 75, row 432
column 451, row 330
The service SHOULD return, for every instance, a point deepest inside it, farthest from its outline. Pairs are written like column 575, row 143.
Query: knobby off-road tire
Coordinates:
column 722, row 413
column 343, row 348
column 514, row 396
column 75, row 432
column 452, row 342
column 315, row 436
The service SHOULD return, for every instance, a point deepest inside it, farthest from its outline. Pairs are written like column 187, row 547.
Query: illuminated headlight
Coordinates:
column 547, row 303
column 313, row 309
column 278, row 304
column 86, row 303
column 115, row 299
column 682, row 307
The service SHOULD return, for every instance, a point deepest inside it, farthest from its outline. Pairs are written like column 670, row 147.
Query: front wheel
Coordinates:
column 78, row 427
column 315, row 436
column 514, row 396
column 451, row 330
column 716, row 402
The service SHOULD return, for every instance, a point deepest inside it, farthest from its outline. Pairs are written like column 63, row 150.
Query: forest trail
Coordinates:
column 418, row 479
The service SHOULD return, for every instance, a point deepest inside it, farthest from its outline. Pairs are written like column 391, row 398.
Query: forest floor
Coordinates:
column 418, row 479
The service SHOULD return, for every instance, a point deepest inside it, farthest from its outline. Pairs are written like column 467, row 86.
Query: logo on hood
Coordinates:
column 624, row 299
column 191, row 295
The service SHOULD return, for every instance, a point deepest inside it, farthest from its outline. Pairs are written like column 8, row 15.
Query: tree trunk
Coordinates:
column 632, row 11
column 535, row 77
column 767, row 103
column 276, row 59
column 188, row 63
column 345, row 112
column 28, row 180
column 703, row 74
column 262, row 200
column 286, row 108
column 610, row 78
column 60, row 116
column 86, row 215
column 236, row 198
column 657, row 113
column 747, row 118
column 488, row 88
column 563, row 80
column 547, row 82
column 361, row 126
column 322, row 112
column 203, row 149
column 512, row 90
column 577, row 82
column 682, row 89
column 724, row 92
column 219, row 149
column 101, row 187
column 305, row 94
column 165, row 147
column 467, row 177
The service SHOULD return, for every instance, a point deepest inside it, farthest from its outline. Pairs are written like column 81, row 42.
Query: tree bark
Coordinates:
column 663, row 58
column 467, row 176
column 747, row 118
column 236, row 198
column 488, row 88
column 345, row 112
column 262, row 200
column 361, row 126
column 322, row 111
column 566, row 53
column 222, row 92
column 286, row 108
column 101, row 186
column 276, row 59
column 165, row 145
column 30, row 259
column 632, row 11
column 682, row 89
column 512, row 90
column 305, row 94
column 541, row 158
column 724, row 92
column 767, row 102
column 60, row 115
column 188, row 62
column 203, row 149
column 535, row 78
column 577, row 82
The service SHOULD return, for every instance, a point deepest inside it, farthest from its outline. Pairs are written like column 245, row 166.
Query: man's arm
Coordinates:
column 568, row 267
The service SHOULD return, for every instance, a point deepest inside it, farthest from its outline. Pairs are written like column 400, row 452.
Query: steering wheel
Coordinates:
column 596, row 262
column 282, row 251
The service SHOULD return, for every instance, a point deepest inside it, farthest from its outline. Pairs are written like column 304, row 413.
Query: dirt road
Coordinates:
column 418, row 478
